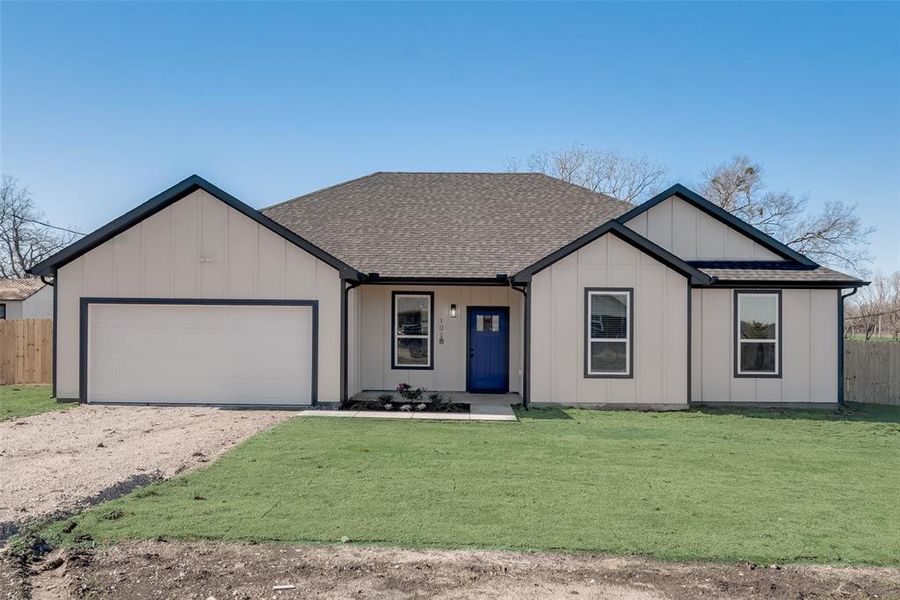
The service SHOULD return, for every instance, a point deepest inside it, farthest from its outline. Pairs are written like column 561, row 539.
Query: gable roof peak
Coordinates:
column 722, row 215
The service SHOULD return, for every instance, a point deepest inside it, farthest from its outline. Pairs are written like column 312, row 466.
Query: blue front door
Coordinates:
column 488, row 349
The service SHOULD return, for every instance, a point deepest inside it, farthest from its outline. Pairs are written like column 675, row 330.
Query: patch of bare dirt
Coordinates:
column 152, row 570
column 63, row 461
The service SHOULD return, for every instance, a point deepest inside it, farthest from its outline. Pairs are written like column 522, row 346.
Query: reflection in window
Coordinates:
column 757, row 333
column 412, row 330
column 609, row 332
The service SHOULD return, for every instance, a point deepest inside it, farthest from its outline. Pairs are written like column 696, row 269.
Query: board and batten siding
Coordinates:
column 198, row 247
column 809, row 321
column 691, row 234
column 373, row 331
column 660, row 365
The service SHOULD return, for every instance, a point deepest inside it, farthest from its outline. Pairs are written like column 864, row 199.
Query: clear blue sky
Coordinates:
column 104, row 105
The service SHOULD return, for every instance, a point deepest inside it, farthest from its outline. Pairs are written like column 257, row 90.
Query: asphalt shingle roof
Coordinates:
column 786, row 272
column 445, row 224
column 19, row 289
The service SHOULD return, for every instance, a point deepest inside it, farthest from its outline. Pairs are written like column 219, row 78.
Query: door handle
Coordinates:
column 471, row 352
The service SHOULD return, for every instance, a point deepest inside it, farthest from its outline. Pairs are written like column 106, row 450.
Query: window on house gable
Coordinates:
column 609, row 332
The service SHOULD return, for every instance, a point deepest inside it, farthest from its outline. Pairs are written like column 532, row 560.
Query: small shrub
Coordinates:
column 410, row 393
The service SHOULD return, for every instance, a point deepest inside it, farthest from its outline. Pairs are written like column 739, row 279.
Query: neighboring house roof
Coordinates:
column 12, row 290
column 756, row 272
column 446, row 225
column 167, row 198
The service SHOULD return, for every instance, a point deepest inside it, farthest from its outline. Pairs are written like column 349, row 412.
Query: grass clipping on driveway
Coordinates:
column 750, row 485
column 26, row 400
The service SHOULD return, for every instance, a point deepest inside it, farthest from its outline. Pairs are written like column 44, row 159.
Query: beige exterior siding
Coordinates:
column 691, row 234
column 660, row 328
column 199, row 247
column 373, row 329
column 809, row 350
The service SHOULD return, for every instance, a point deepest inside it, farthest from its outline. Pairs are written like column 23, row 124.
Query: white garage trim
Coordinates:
column 84, row 330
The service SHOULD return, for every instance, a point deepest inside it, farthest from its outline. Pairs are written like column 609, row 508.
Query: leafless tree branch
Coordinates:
column 835, row 236
column 25, row 237
column 606, row 171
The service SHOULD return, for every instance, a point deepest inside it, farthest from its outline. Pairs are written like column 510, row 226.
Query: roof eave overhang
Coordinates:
column 167, row 198
column 773, row 284
column 695, row 276
column 501, row 279
column 721, row 215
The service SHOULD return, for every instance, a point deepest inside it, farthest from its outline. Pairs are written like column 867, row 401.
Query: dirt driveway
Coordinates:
column 62, row 461
column 145, row 570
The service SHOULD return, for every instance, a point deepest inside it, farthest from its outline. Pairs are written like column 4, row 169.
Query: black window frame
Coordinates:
column 629, row 374
column 779, row 336
column 394, row 366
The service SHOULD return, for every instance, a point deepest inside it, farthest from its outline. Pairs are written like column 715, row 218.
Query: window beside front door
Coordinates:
column 2, row 312
column 608, row 332
column 412, row 323
column 757, row 333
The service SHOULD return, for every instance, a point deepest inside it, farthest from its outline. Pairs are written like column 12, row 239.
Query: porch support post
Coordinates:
column 526, row 342
column 345, row 292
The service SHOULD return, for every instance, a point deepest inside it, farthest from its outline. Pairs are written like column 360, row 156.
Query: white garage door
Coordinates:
column 210, row 354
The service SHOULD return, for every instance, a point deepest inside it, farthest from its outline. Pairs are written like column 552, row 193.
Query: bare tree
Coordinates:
column 835, row 236
column 25, row 238
column 606, row 171
column 875, row 310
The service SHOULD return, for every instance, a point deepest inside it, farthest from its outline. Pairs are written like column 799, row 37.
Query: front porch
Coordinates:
column 482, row 407
column 465, row 341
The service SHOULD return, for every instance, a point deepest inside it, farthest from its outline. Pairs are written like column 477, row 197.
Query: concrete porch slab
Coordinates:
column 482, row 407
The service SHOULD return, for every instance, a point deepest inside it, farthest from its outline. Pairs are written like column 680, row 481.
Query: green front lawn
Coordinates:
column 26, row 400
column 768, row 486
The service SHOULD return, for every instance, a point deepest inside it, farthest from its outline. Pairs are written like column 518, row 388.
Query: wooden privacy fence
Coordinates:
column 872, row 372
column 26, row 351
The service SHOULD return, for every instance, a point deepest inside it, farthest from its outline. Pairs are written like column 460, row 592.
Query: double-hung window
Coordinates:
column 413, row 324
column 608, row 351
column 757, row 333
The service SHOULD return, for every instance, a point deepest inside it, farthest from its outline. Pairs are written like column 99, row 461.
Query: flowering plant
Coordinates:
column 407, row 391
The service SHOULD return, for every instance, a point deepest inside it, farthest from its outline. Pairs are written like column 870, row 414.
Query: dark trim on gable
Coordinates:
column 393, row 336
column 720, row 214
column 167, row 198
column 735, row 329
column 695, row 276
column 83, row 330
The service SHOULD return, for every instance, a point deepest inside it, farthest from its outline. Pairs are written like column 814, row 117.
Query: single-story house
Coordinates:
column 480, row 282
column 25, row 298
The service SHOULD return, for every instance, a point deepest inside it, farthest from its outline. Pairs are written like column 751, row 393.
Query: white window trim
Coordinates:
column 776, row 341
column 397, row 336
column 627, row 294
